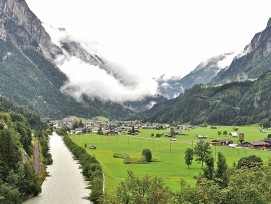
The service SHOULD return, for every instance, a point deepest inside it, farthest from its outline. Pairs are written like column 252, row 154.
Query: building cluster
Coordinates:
column 106, row 128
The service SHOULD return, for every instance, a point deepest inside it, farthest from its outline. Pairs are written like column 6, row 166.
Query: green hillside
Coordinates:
column 32, row 81
column 233, row 103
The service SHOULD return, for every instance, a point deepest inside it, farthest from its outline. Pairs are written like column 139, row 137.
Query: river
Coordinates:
column 66, row 184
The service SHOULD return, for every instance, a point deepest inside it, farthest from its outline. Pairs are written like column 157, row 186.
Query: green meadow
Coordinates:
column 169, row 155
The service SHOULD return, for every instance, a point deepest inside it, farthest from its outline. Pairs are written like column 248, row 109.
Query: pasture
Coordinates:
column 169, row 155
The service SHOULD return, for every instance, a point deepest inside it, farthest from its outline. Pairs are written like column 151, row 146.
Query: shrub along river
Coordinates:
column 66, row 184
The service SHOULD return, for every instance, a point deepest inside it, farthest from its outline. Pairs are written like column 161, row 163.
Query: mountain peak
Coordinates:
column 268, row 23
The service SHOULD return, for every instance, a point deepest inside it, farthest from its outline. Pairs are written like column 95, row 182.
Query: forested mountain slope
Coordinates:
column 228, row 104
column 28, row 75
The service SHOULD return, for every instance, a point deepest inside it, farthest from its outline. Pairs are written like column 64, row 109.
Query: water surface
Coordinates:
column 66, row 184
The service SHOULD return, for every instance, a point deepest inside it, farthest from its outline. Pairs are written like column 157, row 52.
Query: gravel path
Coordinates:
column 37, row 157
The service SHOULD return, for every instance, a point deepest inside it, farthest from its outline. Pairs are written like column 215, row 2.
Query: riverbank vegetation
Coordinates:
column 92, row 170
column 43, row 136
column 18, row 179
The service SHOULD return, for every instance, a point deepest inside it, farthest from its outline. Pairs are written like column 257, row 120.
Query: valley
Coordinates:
column 140, row 130
column 169, row 154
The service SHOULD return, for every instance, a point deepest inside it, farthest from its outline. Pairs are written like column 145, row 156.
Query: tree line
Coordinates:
column 92, row 169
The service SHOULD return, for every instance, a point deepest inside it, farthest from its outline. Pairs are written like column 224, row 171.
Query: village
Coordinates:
column 234, row 138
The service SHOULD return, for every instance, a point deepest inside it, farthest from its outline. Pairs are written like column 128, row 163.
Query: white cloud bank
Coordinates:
column 96, row 82
column 143, row 40
column 118, row 85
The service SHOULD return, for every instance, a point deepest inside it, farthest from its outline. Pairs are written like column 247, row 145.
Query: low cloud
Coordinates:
column 90, row 80
column 112, row 82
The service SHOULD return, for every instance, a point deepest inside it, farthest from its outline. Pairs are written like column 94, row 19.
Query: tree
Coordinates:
column 225, row 132
column 209, row 169
column 144, row 190
column 133, row 130
column 100, row 131
column 249, row 162
column 146, row 153
column 172, row 132
column 221, row 175
column 80, row 124
column 202, row 150
column 188, row 157
column 75, row 125
column 219, row 133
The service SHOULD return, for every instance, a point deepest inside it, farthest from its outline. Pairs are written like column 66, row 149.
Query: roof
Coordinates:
column 234, row 134
column 268, row 140
column 179, row 132
column 167, row 134
column 259, row 143
column 78, row 129
column 222, row 141
column 201, row 136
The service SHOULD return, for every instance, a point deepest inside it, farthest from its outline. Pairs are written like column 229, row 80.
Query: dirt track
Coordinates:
column 36, row 157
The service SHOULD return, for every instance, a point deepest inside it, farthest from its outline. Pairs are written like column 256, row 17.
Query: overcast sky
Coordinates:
column 156, row 37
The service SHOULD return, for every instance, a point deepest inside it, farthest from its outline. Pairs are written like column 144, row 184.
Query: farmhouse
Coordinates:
column 201, row 136
column 257, row 145
column 148, row 127
column 234, row 134
column 235, row 128
column 78, row 130
column 167, row 134
column 112, row 133
column 179, row 132
column 221, row 142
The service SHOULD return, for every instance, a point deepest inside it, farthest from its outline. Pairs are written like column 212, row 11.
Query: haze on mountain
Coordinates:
column 60, row 75
column 28, row 73
column 240, row 93
column 141, row 41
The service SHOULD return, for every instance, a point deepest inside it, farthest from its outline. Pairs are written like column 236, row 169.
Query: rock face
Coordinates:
column 19, row 12
column 28, row 74
column 252, row 62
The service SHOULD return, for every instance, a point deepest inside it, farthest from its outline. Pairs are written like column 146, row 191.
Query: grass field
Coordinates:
column 169, row 155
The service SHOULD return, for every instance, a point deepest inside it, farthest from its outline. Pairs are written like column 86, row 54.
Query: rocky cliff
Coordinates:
column 28, row 74
column 252, row 62
column 21, row 15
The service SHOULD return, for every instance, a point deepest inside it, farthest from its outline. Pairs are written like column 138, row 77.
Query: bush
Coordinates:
column 250, row 162
column 146, row 153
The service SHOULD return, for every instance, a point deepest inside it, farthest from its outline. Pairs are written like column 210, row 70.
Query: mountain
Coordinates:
column 145, row 104
column 28, row 74
column 228, row 104
column 202, row 74
column 252, row 62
